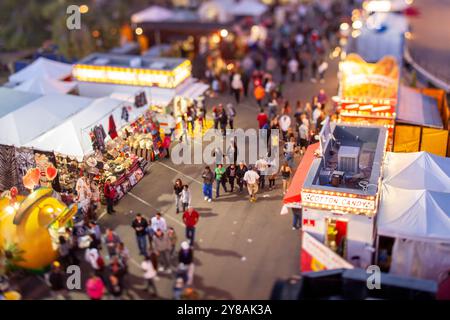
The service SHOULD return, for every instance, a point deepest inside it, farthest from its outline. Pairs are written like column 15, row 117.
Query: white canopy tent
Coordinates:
column 37, row 117
column 152, row 14
column 415, row 210
column 72, row 136
column 45, row 85
column 40, row 68
column 214, row 11
column 247, row 8
column 421, row 215
column 222, row 11
column 430, row 172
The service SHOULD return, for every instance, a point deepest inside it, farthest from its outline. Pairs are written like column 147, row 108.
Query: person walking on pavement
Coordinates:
column 216, row 116
column 109, row 193
column 220, row 179
column 149, row 275
column 208, row 179
column 251, row 177
column 289, row 151
column 259, row 94
column 186, row 261
column 139, row 225
column 173, row 240
column 177, row 189
column 158, row 223
column 261, row 118
column 95, row 288
column 240, row 173
column 111, row 240
column 237, row 86
column 57, row 281
column 223, row 122
column 245, row 82
column 162, row 248
column 186, row 197
column 231, row 175
column 231, row 113
column 322, row 68
column 293, row 68
column 261, row 166
column 285, row 171
column 190, row 219
column 285, row 124
column 314, row 70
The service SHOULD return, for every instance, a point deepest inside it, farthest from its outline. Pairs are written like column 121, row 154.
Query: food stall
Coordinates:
column 337, row 189
column 368, row 92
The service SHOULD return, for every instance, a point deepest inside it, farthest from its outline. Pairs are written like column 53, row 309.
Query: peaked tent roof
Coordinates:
column 39, row 116
column 430, row 172
column 11, row 100
column 414, row 214
column 71, row 137
column 42, row 67
column 152, row 14
column 45, row 85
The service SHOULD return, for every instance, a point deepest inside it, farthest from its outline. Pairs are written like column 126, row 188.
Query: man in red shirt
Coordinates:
column 262, row 118
column 110, row 194
column 190, row 219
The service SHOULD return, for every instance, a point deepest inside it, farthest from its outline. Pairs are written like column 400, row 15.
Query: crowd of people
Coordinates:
column 293, row 52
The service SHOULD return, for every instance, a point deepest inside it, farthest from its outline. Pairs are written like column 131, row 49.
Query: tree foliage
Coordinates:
column 28, row 23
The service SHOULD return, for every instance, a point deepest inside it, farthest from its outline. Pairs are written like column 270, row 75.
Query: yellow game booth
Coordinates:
column 31, row 224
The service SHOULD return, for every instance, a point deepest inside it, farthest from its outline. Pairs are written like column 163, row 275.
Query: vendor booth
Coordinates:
column 421, row 124
column 337, row 188
column 368, row 92
column 415, row 215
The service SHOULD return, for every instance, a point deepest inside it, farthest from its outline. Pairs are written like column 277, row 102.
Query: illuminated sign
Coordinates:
column 133, row 76
column 333, row 201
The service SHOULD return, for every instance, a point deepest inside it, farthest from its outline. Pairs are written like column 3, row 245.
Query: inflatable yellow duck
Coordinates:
column 32, row 224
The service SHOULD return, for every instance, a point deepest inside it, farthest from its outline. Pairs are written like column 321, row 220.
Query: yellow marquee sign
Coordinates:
column 133, row 76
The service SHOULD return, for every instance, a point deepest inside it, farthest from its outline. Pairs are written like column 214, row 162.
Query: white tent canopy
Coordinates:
column 45, row 85
column 421, row 215
column 37, row 117
column 42, row 67
column 222, row 11
column 214, row 11
column 152, row 14
column 72, row 136
column 429, row 171
column 251, row 8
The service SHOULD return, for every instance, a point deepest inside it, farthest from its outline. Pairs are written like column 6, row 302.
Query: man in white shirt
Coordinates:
column 285, row 124
column 159, row 222
column 261, row 167
column 149, row 274
column 293, row 68
column 251, row 178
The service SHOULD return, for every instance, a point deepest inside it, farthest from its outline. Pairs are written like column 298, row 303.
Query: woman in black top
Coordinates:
column 285, row 171
column 177, row 188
